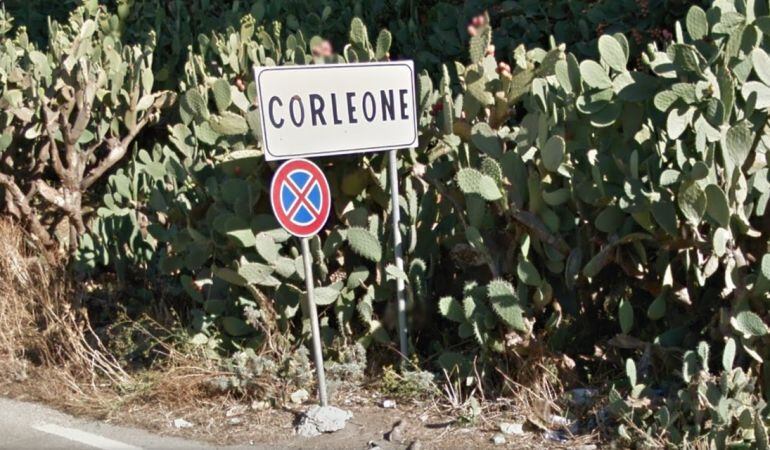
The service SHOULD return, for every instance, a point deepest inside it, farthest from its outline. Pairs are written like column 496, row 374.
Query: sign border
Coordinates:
column 258, row 71
column 275, row 200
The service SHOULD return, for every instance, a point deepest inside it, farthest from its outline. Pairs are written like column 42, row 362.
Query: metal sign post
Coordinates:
column 314, row 328
column 398, row 249
column 301, row 200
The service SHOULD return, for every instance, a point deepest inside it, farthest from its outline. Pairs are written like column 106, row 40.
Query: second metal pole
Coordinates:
column 314, row 328
column 395, row 215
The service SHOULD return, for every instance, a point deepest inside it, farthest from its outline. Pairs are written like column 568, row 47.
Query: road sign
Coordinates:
column 301, row 202
column 336, row 109
column 300, row 197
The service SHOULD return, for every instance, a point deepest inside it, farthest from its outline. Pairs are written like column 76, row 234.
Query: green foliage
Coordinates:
column 721, row 409
column 363, row 242
column 504, row 302
column 657, row 177
column 408, row 384
column 70, row 113
column 432, row 32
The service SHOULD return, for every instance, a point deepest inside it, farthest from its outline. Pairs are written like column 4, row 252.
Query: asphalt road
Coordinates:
column 32, row 426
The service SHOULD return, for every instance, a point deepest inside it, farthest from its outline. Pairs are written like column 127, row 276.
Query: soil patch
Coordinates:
column 227, row 421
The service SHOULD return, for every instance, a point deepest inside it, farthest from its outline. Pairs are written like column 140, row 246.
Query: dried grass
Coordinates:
column 41, row 323
column 49, row 351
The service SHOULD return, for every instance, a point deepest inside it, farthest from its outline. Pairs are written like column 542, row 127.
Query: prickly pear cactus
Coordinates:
column 81, row 102
column 640, row 189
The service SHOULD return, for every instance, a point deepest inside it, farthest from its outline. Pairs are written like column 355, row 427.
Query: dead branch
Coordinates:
column 58, row 167
column 118, row 150
column 22, row 205
column 539, row 230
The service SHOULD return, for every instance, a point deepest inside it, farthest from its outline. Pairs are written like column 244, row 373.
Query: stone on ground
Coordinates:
column 322, row 419
column 299, row 396
column 396, row 434
column 181, row 423
column 498, row 439
column 512, row 428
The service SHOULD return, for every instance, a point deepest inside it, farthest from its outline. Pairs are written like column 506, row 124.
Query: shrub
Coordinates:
column 430, row 32
column 69, row 115
column 637, row 196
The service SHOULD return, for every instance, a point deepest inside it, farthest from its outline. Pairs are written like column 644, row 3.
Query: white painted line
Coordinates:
column 89, row 439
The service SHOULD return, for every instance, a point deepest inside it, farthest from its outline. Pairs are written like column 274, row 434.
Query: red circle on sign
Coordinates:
column 300, row 197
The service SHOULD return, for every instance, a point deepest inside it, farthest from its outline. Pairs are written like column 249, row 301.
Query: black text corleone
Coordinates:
column 339, row 108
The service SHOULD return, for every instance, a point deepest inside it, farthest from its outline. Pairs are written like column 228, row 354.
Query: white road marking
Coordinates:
column 89, row 439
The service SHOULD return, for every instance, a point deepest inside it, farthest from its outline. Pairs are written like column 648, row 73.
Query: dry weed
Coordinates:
column 41, row 322
column 49, row 351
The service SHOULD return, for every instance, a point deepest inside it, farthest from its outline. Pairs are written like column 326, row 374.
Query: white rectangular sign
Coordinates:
column 336, row 109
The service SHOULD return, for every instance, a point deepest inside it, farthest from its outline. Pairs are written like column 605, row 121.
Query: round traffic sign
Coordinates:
column 300, row 197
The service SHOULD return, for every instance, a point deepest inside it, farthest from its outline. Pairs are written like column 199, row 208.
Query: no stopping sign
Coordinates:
column 300, row 197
